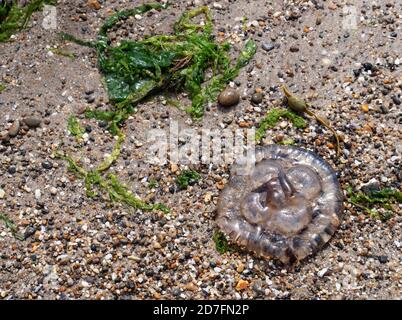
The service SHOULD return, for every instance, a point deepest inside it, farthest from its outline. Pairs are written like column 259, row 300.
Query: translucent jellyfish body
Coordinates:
column 287, row 206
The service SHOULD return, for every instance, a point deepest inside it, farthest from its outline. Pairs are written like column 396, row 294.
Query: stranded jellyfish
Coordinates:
column 287, row 206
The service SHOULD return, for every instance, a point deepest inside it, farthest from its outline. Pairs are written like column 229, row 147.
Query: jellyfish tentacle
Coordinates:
column 286, row 185
column 275, row 195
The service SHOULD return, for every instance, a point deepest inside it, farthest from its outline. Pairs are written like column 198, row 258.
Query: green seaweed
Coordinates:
column 11, row 226
column 273, row 117
column 63, row 53
column 383, row 198
column 74, row 127
column 221, row 243
column 187, row 177
column 2, row 87
column 110, row 185
column 152, row 183
column 14, row 18
column 108, row 162
column 175, row 103
column 135, row 70
column 287, row 142
column 119, row 192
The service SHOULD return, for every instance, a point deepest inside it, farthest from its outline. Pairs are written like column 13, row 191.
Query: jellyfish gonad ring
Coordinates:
column 287, row 206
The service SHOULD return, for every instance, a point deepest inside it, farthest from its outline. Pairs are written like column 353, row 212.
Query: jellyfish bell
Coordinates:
column 286, row 206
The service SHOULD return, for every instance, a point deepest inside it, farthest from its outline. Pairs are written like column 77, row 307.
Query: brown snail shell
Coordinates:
column 287, row 206
column 229, row 97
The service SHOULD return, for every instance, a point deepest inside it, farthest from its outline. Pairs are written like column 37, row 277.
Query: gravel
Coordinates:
column 76, row 247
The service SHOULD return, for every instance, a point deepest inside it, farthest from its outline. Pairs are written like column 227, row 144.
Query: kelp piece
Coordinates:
column 134, row 70
column 299, row 105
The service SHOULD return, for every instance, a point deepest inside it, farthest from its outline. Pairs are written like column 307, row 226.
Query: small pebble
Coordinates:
column 229, row 97
column 367, row 66
column 396, row 100
column 384, row 109
column 322, row 272
column 372, row 185
column 93, row 4
column 29, row 231
column 38, row 194
column 47, row 165
column 268, row 46
column 14, row 129
column 257, row 98
column 242, row 285
column 191, row 287
column 32, row 122
column 383, row 259
column 227, row 120
column 217, row 6
column 176, row 292
column 294, row 49
column 279, row 138
column 12, row 169
column 89, row 91
column 365, row 108
column 90, row 99
column 4, row 136
column 102, row 124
